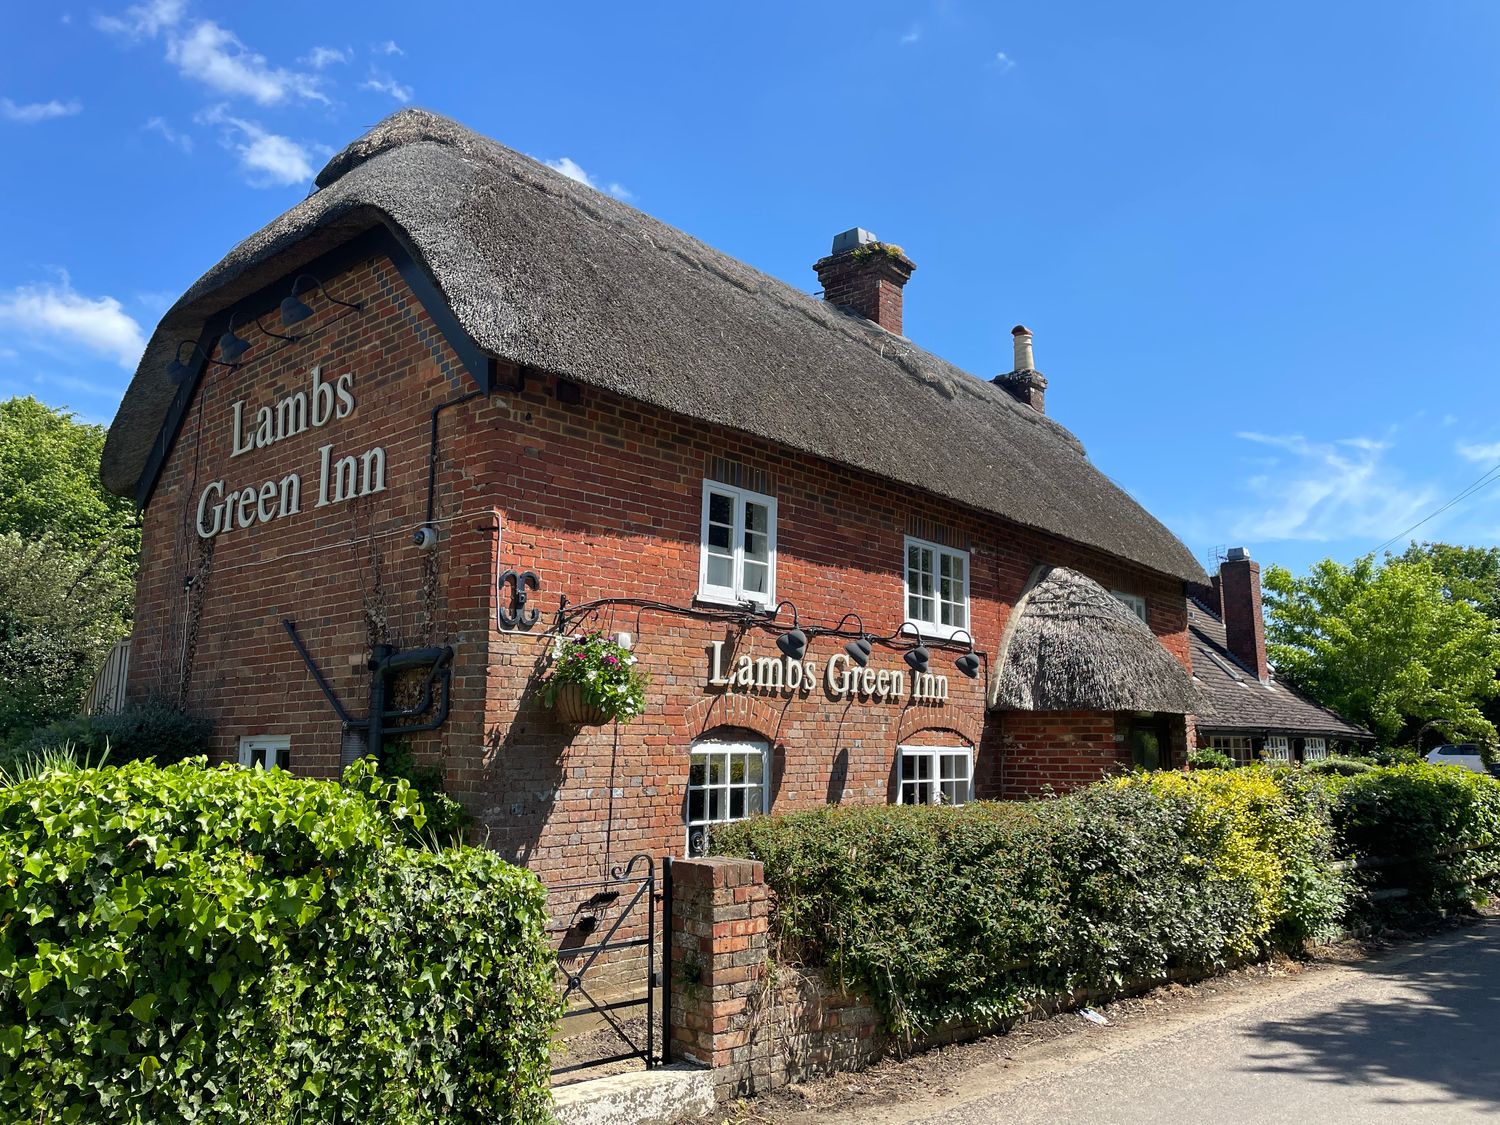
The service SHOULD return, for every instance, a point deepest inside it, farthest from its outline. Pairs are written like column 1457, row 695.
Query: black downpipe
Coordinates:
column 385, row 662
column 432, row 451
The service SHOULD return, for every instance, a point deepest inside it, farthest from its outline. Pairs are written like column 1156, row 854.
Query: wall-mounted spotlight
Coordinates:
column 968, row 663
column 916, row 658
column 178, row 371
column 794, row 642
column 857, row 650
column 232, row 347
column 294, row 310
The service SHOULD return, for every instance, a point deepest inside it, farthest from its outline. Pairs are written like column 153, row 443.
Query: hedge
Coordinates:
column 190, row 944
column 1443, row 820
column 149, row 729
column 973, row 913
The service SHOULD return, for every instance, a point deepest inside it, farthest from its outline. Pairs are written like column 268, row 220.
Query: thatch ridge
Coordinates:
column 543, row 271
column 1071, row 645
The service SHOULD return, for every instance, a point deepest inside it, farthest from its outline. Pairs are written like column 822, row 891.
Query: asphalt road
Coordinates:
column 1412, row 1037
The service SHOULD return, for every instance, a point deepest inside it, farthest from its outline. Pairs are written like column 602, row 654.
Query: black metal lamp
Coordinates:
column 969, row 662
column 916, row 658
column 857, row 650
column 294, row 310
column 178, row 371
column 792, row 643
column 232, row 347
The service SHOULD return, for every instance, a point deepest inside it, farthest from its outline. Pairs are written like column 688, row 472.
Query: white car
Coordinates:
column 1465, row 754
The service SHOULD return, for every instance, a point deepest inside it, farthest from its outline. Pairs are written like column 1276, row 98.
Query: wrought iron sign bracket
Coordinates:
column 519, row 615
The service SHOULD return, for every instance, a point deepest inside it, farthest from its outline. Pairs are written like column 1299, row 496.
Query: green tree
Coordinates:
column 68, row 555
column 60, row 614
column 1469, row 574
column 49, row 485
column 1386, row 645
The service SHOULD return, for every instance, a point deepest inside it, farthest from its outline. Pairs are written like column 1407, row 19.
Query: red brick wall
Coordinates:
column 347, row 573
column 602, row 498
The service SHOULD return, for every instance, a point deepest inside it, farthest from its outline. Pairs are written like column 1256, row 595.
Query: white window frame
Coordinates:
column 725, row 750
column 934, row 627
column 1239, row 747
column 934, row 779
column 265, row 751
column 736, row 594
column 1135, row 602
column 1314, row 749
column 1278, row 748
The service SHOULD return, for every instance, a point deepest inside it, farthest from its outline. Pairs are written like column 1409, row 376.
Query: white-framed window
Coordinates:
column 1278, row 748
column 738, row 557
column 726, row 781
column 1135, row 602
column 268, row 751
column 937, row 587
column 1315, row 749
column 935, row 775
column 1238, row 746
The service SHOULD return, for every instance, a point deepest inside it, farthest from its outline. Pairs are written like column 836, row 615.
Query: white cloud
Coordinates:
column 913, row 34
column 1004, row 61
column 385, row 84
column 570, row 168
column 144, row 21
column 215, row 56
column 1487, row 452
column 388, row 48
column 169, row 134
column 35, row 112
column 319, row 57
column 268, row 159
column 57, row 311
column 1325, row 491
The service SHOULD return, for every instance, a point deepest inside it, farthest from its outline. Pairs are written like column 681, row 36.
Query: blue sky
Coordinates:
column 1257, row 244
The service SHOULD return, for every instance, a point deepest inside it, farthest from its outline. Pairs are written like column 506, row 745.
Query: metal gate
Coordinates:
column 596, row 923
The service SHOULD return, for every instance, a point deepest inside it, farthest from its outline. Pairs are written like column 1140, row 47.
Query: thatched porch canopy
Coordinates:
column 1071, row 645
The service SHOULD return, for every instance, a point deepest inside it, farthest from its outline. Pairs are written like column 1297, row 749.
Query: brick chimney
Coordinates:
column 1244, row 627
column 866, row 276
column 1025, row 382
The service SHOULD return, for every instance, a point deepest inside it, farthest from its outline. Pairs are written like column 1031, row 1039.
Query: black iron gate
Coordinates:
column 611, row 928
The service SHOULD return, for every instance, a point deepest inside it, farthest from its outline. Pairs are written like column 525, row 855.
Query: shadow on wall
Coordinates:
column 1436, row 1026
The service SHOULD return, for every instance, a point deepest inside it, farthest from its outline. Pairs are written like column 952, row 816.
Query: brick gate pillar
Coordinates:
column 718, row 930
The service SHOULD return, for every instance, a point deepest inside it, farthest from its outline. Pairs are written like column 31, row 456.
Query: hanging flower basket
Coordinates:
column 573, row 707
column 595, row 681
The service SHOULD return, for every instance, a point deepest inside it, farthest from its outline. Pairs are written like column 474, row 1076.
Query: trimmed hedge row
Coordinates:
column 945, row 914
column 183, row 944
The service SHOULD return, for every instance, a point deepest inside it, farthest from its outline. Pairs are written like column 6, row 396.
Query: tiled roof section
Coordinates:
column 1241, row 702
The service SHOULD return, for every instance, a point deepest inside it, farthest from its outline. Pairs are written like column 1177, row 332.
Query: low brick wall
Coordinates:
column 760, row 1024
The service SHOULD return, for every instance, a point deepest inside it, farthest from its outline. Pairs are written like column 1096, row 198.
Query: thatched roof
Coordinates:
column 543, row 271
column 1242, row 704
column 1071, row 645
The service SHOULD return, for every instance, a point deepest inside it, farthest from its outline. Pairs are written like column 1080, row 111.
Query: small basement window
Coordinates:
column 268, row 751
column 935, row 775
column 737, row 559
column 937, row 587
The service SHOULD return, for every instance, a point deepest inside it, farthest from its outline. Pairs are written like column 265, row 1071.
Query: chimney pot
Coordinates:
column 1244, row 625
column 1021, row 339
column 1025, row 382
column 865, row 276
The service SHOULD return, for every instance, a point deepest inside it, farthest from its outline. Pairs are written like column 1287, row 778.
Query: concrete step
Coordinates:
column 642, row 1097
